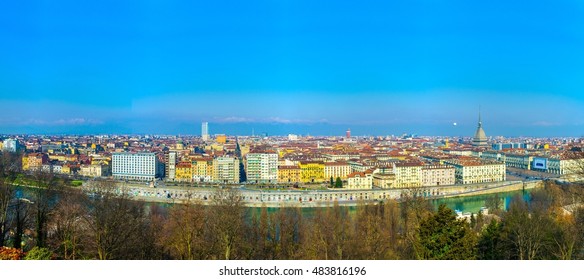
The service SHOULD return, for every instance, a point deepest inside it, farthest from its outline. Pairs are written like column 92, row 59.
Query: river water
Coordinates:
column 473, row 204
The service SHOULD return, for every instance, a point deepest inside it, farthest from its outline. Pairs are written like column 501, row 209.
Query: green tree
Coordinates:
column 339, row 183
column 442, row 236
column 527, row 233
column 489, row 246
column 332, row 182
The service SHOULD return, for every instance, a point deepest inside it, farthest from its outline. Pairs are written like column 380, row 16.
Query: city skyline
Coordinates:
column 302, row 68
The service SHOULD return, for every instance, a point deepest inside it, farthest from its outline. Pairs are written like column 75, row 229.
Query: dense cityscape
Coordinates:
column 386, row 162
column 84, row 197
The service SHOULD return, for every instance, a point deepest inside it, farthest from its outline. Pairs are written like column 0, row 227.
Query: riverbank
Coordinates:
column 321, row 198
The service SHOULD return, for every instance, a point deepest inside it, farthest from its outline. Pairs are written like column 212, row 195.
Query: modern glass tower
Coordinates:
column 205, row 131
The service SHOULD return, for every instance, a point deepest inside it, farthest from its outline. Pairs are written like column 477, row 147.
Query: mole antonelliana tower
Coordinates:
column 480, row 138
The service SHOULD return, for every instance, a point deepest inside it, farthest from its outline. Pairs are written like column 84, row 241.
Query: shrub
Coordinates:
column 39, row 253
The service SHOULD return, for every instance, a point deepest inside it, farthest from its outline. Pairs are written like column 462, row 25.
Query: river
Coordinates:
column 464, row 204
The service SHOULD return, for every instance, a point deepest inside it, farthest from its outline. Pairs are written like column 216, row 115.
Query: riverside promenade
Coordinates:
column 316, row 198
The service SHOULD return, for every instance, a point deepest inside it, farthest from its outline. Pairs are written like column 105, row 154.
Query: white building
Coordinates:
column 226, row 170
column 10, row 145
column 262, row 167
column 360, row 180
column 471, row 171
column 336, row 170
column 407, row 174
column 563, row 165
column 205, row 131
column 135, row 166
column 384, row 180
column 438, row 175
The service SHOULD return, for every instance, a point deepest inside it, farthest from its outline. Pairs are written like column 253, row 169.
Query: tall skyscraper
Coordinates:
column 205, row 131
column 348, row 133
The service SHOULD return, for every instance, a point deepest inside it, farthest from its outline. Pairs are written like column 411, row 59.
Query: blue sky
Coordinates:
column 304, row 67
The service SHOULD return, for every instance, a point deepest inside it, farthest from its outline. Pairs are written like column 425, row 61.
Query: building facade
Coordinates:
column 262, row 167
column 288, row 174
column 34, row 161
column 476, row 171
column 336, row 170
column 10, row 145
column 384, row 180
column 170, row 160
column 360, row 180
column 407, row 174
column 184, row 172
column 438, row 175
column 311, row 171
column 202, row 169
column 94, row 170
column 135, row 166
column 226, row 170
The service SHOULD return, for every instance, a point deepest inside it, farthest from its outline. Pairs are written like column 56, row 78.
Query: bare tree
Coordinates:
column 68, row 226
column 9, row 168
column 186, row 232
column 526, row 233
column 118, row 227
column 227, row 221
column 287, row 233
column 371, row 240
column 329, row 234
column 6, row 196
column 44, row 196
column 22, row 219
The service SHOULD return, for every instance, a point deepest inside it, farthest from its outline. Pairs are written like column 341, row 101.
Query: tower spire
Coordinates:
column 480, row 139
column 480, row 122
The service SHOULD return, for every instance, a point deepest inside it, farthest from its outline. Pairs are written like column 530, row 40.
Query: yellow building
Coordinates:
column 66, row 169
column 221, row 139
column 311, row 171
column 34, row 161
column 184, row 172
column 288, row 174
column 25, row 165
column 58, row 157
column 202, row 169
column 92, row 170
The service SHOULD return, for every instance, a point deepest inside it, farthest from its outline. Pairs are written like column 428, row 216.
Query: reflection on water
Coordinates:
column 474, row 203
column 471, row 204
